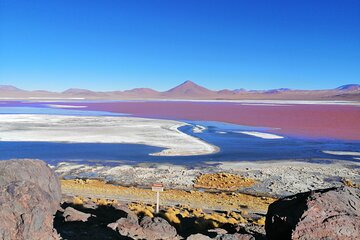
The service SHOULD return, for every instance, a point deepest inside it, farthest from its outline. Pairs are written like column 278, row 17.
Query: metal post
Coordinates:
column 157, row 201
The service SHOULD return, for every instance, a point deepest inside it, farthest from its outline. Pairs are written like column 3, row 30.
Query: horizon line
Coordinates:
column 187, row 81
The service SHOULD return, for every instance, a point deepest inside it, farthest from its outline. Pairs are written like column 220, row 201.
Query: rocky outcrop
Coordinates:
column 71, row 215
column 29, row 197
column 322, row 214
column 148, row 228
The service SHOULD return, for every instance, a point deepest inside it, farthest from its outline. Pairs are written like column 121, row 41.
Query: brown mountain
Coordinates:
column 9, row 88
column 145, row 92
column 78, row 91
column 189, row 90
column 349, row 87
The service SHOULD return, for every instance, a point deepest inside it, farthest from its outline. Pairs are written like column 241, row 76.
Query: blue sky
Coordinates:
column 114, row 44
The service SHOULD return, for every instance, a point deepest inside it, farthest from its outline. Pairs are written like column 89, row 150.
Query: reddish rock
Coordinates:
column 127, row 228
column 148, row 228
column 29, row 197
column 158, row 228
column 198, row 236
column 235, row 236
column 130, row 215
column 322, row 214
column 71, row 215
column 217, row 231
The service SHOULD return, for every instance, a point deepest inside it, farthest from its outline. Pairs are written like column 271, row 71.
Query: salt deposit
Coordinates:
column 94, row 129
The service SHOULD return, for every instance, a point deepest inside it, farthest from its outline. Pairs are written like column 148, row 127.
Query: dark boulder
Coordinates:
column 322, row 214
column 30, row 195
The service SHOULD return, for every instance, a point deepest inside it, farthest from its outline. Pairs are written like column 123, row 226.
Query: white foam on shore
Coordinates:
column 198, row 129
column 64, row 106
column 261, row 135
column 342, row 153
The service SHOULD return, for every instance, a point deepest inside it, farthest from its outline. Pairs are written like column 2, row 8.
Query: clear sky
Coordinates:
column 114, row 44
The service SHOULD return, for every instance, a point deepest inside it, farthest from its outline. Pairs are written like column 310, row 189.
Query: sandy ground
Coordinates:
column 272, row 178
column 93, row 129
column 228, row 186
column 196, row 199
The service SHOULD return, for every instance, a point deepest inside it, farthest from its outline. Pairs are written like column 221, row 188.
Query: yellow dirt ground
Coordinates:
column 195, row 199
column 222, row 181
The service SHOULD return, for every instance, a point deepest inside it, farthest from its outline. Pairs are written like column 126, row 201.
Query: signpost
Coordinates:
column 157, row 187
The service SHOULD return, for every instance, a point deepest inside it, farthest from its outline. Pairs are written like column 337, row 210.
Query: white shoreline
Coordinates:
column 261, row 135
column 104, row 129
column 64, row 106
column 198, row 129
column 342, row 153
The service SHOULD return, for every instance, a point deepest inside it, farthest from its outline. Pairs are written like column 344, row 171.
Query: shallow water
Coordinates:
column 233, row 146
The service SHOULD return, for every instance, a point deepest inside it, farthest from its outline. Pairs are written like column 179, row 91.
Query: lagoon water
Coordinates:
column 234, row 146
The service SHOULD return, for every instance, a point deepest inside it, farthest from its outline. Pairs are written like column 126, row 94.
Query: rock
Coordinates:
column 222, row 234
column 322, row 214
column 235, row 236
column 90, row 205
column 198, row 236
column 218, row 231
column 131, row 216
column 71, row 215
column 148, row 228
column 158, row 228
column 127, row 228
column 252, row 229
column 30, row 195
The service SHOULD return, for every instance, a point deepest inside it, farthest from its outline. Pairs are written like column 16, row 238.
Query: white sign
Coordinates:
column 157, row 187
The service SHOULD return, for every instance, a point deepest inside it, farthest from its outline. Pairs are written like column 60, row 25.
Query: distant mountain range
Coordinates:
column 188, row 90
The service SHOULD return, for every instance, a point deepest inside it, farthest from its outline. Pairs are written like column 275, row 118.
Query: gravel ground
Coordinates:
column 273, row 178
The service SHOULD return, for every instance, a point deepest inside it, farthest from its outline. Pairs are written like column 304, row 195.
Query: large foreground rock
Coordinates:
column 29, row 197
column 322, row 214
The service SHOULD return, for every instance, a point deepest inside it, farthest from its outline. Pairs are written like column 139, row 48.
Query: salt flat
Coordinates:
column 103, row 129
